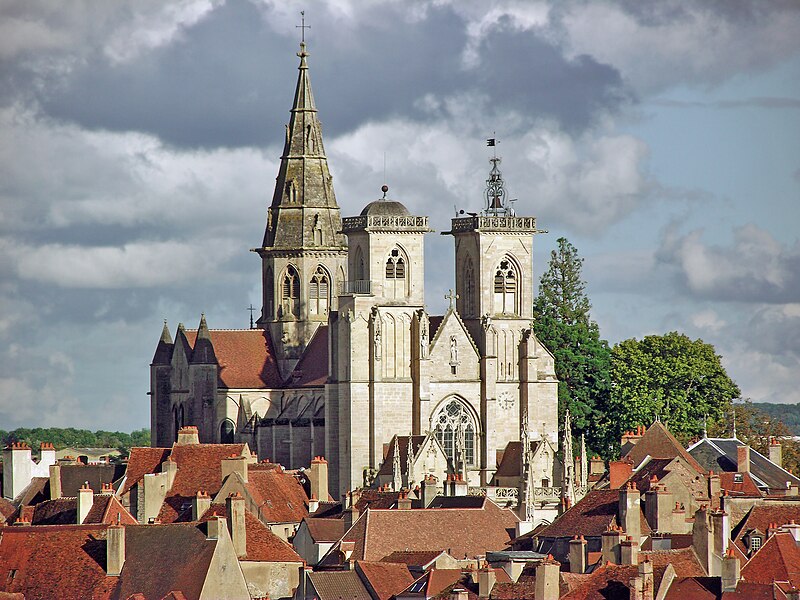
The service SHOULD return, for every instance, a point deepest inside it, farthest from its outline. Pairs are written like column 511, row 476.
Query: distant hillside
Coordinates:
column 789, row 414
column 69, row 437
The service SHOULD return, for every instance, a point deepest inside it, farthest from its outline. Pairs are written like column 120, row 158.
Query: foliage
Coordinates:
column 76, row 438
column 672, row 377
column 755, row 427
column 788, row 414
column 582, row 359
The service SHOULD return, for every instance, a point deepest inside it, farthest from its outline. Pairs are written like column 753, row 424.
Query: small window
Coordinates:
column 738, row 478
column 755, row 542
column 453, row 369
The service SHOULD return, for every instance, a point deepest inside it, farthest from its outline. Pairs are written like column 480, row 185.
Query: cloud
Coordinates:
column 755, row 268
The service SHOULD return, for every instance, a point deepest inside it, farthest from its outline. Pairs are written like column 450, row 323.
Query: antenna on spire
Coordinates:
column 302, row 27
column 384, row 167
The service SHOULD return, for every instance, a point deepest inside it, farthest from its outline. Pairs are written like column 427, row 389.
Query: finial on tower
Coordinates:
column 302, row 27
column 495, row 186
column 452, row 296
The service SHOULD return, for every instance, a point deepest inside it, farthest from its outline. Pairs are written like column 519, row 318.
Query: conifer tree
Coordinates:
column 582, row 360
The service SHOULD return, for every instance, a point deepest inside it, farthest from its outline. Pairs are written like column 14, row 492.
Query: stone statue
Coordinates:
column 453, row 350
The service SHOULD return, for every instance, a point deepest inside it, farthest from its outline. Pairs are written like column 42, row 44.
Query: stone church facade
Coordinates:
column 345, row 357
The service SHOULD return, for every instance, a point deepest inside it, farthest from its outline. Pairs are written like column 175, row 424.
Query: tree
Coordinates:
column 582, row 359
column 671, row 377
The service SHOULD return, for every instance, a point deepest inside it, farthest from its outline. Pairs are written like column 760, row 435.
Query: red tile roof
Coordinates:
column 684, row 561
column 591, row 516
column 760, row 516
column 777, row 560
column 245, row 356
column 658, row 442
column 610, row 581
column 64, row 511
column 140, row 462
column 7, row 509
column 325, row 530
column 417, row 558
column 280, row 497
column 336, row 585
column 744, row 488
column 384, row 579
column 312, row 369
column 694, row 588
column 465, row 531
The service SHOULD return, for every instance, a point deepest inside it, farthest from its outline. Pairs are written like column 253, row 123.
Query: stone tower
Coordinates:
column 373, row 339
column 304, row 253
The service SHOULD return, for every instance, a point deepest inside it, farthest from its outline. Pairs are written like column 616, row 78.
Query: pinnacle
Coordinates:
column 165, row 335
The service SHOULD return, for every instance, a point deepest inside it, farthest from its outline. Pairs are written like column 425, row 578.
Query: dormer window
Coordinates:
column 755, row 543
column 738, row 478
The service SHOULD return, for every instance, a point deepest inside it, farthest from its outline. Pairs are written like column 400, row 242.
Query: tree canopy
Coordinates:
column 69, row 437
column 582, row 360
column 671, row 377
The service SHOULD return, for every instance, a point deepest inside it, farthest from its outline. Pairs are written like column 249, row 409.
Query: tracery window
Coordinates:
column 395, row 265
column 505, row 288
column 319, row 292
column 454, row 427
column 290, row 292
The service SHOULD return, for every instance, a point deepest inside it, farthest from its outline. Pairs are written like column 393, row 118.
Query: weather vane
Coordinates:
column 302, row 27
column 495, row 186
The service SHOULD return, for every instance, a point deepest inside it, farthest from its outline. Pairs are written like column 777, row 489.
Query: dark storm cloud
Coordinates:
column 224, row 81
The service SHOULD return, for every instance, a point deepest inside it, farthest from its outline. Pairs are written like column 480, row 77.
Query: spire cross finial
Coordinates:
column 251, row 308
column 452, row 297
column 302, row 27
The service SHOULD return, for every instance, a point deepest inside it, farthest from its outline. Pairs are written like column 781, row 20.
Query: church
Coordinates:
column 345, row 361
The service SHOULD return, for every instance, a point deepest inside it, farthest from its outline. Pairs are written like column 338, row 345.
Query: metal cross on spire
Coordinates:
column 452, row 296
column 302, row 27
column 252, row 309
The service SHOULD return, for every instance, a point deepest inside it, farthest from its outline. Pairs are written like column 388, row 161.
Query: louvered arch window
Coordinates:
column 319, row 292
column 290, row 292
column 506, row 288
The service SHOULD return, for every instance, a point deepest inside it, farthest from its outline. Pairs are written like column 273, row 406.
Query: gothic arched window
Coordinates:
column 319, row 292
column 290, row 292
column 269, row 294
column 506, row 282
column 455, row 428
column 469, row 288
column 226, row 432
column 358, row 265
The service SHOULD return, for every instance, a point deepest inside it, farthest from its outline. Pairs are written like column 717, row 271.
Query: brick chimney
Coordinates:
column 188, row 435
column 115, row 550
column 85, row 501
column 200, row 504
column 730, row 571
column 618, row 473
column 236, row 523
column 743, row 459
column 633, row 436
column 611, row 545
column 235, row 463
column 547, row 579
column 319, row 478
column 629, row 551
column 776, row 451
column 577, row 555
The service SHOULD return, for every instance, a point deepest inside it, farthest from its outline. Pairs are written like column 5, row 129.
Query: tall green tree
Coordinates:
column 582, row 359
column 671, row 377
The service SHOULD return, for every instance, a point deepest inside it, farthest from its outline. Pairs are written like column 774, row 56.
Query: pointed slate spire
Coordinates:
column 163, row 353
column 203, row 347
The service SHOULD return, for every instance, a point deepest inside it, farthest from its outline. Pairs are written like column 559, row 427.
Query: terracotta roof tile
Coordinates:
column 325, row 530
column 279, row 495
column 335, row 585
column 760, row 516
column 684, row 561
column 140, row 462
column 384, row 579
column 739, row 484
column 610, row 581
column 312, row 367
column 7, row 509
column 590, row 516
column 777, row 560
column 245, row 356
column 654, row 467
column 64, row 511
column 746, row 590
column 694, row 588
column 658, row 442
column 416, row 558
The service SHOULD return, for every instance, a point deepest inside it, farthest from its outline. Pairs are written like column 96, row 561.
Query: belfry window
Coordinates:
column 395, row 266
column 290, row 292
column 455, row 429
column 319, row 292
column 505, row 288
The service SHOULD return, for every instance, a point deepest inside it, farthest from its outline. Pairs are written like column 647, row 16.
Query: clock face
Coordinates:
column 505, row 400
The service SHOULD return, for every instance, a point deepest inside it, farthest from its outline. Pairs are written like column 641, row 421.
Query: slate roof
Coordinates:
column 658, row 442
column 720, row 454
column 777, row 560
column 590, row 517
column 655, row 466
column 467, row 531
column 74, row 476
column 325, row 530
column 246, row 358
column 384, row 579
column 336, row 585
column 403, row 442
column 760, row 516
column 312, row 367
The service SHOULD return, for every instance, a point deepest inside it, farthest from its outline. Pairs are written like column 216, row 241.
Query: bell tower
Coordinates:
column 304, row 253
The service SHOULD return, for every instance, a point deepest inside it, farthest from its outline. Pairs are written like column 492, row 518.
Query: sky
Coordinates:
column 140, row 139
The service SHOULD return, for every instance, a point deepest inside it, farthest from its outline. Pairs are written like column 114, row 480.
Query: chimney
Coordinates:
column 428, row 490
column 313, row 504
column 106, row 488
column 619, row 471
column 611, row 545
column 577, row 555
column 458, row 593
column 235, row 505
column 460, row 487
column 679, row 518
column 188, row 435
column 629, row 551
column 743, row 459
column 200, row 504
column 47, row 455
column 486, row 580
column 319, row 478
column 216, row 527
column 714, row 488
column 658, row 508
column 170, row 467
column 596, row 466
column 17, row 469
column 644, row 586
column 776, row 451
column 702, row 541
column 55, row 481
column 234, row 463
column 730, row 571
column 85, row 501
column 794, row 529
column 629, row 511
column 115, row 550
column 403, row 501
column 721, row 525
column 547, row 579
